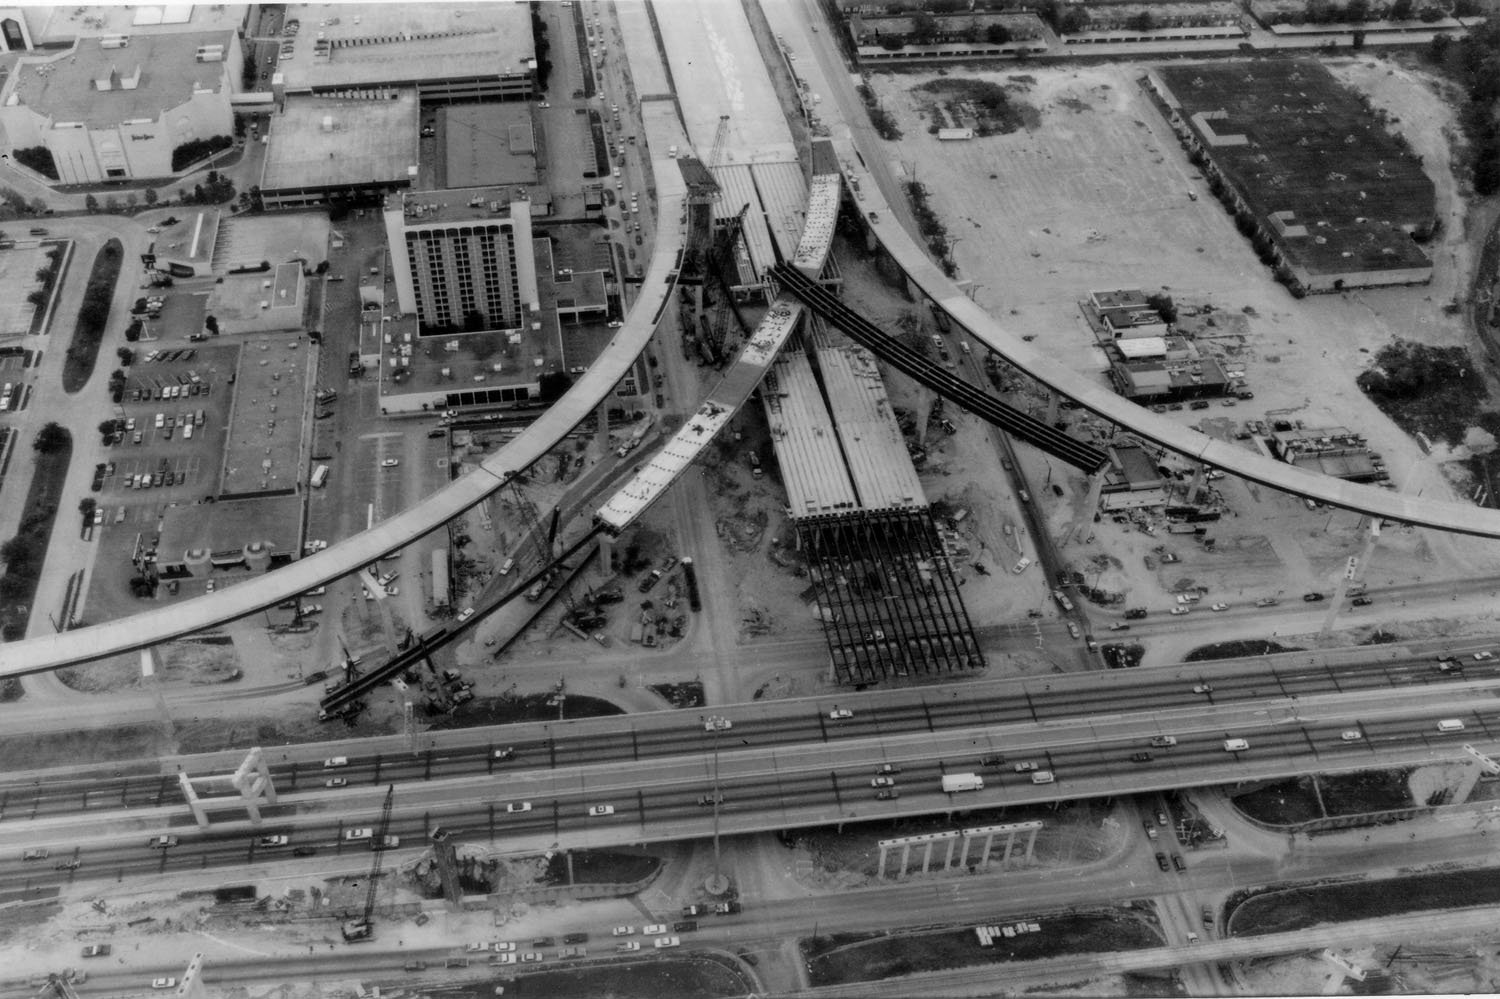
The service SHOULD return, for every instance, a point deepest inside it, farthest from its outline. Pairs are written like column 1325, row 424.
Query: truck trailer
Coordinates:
column 953, row 783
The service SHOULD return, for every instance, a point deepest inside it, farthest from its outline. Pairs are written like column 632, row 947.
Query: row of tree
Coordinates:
column 1475, row 60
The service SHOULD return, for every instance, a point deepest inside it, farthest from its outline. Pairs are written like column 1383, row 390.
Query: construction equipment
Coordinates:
column 58, row 987
column 356, row 930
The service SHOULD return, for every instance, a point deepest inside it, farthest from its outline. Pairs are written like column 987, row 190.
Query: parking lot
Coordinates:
column 174, row 442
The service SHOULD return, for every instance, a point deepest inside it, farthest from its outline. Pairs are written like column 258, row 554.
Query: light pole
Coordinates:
column 717, row 883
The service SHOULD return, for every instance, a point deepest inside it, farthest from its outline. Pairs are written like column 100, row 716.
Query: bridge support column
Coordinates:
column 880, row 872
column 905, row 853
column 927, row 857
column 1030, row 844
column 1196, row 488
column 948, row 860
column 191, row 794
column 984, row 858
column 963, row 856
column 1090, row 507
column 1010, row 841
column 1053, row 402
column 607, row 552
column 601, row 426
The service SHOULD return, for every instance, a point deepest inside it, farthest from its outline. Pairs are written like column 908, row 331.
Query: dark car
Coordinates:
column 1142, row 757
column 1161, row 861
column 305, row 851
column 576, row 938
column 543, row 942
column 1178, row 863
column 1312, row 598
column 993, row 760
column 1135, row 613
column 684, row 926
column 1361, row 601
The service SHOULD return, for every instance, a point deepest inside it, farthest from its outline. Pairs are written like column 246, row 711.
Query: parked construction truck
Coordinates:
column 691, row 575
column 953, row 783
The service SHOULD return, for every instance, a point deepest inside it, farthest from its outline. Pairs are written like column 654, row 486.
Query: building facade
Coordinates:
column 115, row 107
column 469, row 274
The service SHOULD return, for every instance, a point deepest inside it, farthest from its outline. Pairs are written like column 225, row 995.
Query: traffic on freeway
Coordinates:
column 676, row 799
column 764, row 725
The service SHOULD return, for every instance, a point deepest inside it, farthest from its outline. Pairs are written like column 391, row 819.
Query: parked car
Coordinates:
column 97, row 950
column 662, row 943
column 1161, row 861
column 597, row 810
column 839, row 714
column 882, row 782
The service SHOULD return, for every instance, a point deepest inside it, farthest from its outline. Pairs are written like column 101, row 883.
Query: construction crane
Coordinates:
column 359, row 929
column 57, row 987
column 719, row 137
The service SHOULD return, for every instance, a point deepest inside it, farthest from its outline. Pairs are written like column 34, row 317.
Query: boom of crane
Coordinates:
column 356, row 930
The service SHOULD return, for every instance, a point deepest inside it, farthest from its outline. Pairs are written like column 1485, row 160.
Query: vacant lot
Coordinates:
column 835, row 960
column 1298, row 908
column 700, row 976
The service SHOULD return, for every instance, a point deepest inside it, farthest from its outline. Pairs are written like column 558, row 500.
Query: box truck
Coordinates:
column 953, row 783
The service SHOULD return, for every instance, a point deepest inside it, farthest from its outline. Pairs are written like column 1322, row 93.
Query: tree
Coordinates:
column 211, row 323
column 90, row 202
column 106, row 427
column 131, row 200
column 924, row 28
column 150, row 196
column 1164, row 306
column 553, row 384
column 126, row 355
column 1401, row 10
column 87, row 506
column 133, row 331
column 996, row 34
column 1073, row 20
column 53, row 437
column 1142, row 22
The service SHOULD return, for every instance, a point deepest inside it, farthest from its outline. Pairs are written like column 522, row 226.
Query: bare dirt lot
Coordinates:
column 1096, row 196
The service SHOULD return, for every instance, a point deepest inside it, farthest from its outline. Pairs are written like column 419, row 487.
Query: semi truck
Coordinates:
column 953, row 783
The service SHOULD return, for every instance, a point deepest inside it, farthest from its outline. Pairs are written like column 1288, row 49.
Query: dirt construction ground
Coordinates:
column 1097, row 197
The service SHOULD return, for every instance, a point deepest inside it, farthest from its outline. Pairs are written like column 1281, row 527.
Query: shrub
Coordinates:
column 38, row 158
column 194, row 150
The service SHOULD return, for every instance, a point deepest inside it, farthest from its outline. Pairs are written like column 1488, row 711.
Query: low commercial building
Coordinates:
column 1164, row 369
column 116, row 107
column 322, row 148
column 446, row 52
column 1331, row 451
column 1132, row 481
column 1125, row 313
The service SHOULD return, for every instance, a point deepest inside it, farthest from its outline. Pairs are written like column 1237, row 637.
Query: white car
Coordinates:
column 1482, row 656
column 465, row 614
column 1073, row 629
column 597, row 810
column 335, row 761
column 477, row 947
column 1351, row 735
column 651, row 929
column 269, row 841
column 163, row 983
column 839, row 714
column 664, row 942
column 314, row 546
column 1219, row 607
column 1203, row 688
column 615, row 324
column 1021, row 566
column 357, row 834
column 154, row 229
column 623, row 931
column 717, row 724
column 1179, row 611
column 390, row 463
column 518, row 806
column 628, row 946
column 503, row 959
column 504, row 947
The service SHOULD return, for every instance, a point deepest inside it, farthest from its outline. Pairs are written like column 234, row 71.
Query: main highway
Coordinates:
column 1059, row 700
column 787, row 765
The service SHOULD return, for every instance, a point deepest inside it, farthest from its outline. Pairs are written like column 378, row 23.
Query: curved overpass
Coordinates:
column 154, row 626
column 876, row 214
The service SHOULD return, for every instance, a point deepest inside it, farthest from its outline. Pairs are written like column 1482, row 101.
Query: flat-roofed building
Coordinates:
column 463, row 260
column 116, row 107
column 449, row 52
column 254, row 534
column 325, row 147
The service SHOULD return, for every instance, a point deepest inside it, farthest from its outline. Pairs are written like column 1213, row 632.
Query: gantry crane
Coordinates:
column 362, row 929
